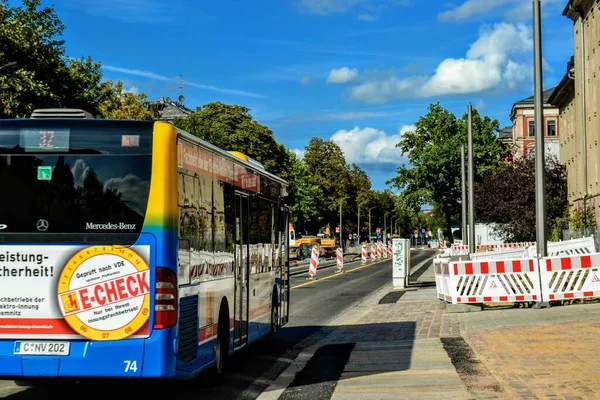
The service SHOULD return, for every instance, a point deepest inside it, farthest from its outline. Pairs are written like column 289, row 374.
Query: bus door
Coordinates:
column 242, row 270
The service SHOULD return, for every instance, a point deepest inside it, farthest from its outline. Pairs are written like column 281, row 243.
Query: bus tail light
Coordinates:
column 165, row 299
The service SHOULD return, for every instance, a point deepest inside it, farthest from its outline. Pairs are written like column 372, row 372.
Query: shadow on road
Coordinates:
column 266, row 360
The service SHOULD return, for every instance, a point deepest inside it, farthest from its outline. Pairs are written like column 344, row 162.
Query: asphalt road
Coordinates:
column 314, row 303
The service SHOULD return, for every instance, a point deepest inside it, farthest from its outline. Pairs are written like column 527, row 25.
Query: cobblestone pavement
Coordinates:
column 531, row 353
column 536, row 355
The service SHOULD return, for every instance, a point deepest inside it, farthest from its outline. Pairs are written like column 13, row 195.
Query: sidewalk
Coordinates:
column 411, row 348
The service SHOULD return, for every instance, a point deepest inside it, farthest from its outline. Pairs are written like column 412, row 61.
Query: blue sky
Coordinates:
column 358, row 71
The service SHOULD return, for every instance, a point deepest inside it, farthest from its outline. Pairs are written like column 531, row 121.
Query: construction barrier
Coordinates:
column 575, row 274
column 500, row 254
column 442, row 277
column 384, row 250
column 499, row 281
column 459, row 250
column 391, row 248
column 571, row 277
column 373, row 252
column 340, row 259
column 378, row 244
column 574, row 246
column 363, row 257
column 314, row 262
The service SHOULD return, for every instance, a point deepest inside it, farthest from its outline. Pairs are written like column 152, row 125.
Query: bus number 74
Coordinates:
column 130, row 366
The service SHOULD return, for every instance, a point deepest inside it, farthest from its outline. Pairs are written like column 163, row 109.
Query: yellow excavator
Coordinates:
column 301, row 245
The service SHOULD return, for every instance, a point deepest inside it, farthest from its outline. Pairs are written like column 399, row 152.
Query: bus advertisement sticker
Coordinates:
column 104, row 292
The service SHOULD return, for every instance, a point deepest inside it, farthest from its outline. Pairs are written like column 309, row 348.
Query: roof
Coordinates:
column 505, row 133
column 565, row 86
column 529, row 100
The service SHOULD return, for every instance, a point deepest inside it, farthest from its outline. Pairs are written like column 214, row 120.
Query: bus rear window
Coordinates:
column 74, row 181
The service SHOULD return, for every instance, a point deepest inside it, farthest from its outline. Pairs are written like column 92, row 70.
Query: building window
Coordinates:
column 531, row 128
column 551, row 128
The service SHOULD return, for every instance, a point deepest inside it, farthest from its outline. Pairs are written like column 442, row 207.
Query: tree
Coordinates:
column 231, row 127
column 123, row 105
column 44, row 76
column 433, row 150
column 507, row 198
column 306, row 196
column 326, row 162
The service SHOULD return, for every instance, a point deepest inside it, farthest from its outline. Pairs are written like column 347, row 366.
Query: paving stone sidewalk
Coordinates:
column 413, row 348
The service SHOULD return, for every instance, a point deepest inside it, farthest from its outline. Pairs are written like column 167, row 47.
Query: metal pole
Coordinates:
column 540, row 190
column 471, row 236
column 341, row 242
column 463, row 180
column 583, row 120
column 369, row 225
column 358, row 229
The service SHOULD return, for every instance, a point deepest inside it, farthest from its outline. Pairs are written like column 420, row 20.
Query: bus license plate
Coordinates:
column 43, row 348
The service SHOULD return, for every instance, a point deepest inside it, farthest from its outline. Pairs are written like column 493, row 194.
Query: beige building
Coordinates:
column 523, row 127
column 577, row 99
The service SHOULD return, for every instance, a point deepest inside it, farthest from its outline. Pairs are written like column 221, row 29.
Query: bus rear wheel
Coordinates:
column 222, row 347
column 274, row 315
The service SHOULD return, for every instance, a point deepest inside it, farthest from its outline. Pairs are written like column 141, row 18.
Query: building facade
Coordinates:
column 577, row 98
column 523, row 127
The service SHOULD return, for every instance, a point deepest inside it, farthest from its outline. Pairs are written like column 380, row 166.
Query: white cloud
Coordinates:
column 159, row 77
column 367, row 18
column 370, row 145
column 306, row 80
column 133, row 89
column 328, row 116
column 326, row 7
column 299, row 153
column 494, row 60
column 132, row 190
column 517, row 10
column 342, row 75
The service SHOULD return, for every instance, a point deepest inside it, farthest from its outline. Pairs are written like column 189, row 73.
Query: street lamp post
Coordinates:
column 540, row 190
column 370, row 222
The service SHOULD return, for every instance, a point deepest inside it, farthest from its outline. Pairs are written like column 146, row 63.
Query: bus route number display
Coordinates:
column 45, row 139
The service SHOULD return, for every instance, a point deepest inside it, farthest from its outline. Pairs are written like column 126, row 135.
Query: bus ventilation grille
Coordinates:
column 188, row 328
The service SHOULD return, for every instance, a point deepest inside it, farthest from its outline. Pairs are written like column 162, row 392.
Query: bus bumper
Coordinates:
column 132, row 358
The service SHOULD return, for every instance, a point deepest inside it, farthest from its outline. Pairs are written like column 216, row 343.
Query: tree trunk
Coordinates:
column 448, row 219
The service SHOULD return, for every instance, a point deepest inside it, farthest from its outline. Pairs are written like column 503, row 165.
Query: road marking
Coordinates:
column 336, row 275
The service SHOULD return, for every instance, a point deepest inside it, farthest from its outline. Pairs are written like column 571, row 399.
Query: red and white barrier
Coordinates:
column 373, row 251
column 499, row 281
column 459, row 250
column 340, row 259
column 314, row 262
column 363, row 257
column 571, row 277
column 391, row 248
column 379, row 255
column 384, row 250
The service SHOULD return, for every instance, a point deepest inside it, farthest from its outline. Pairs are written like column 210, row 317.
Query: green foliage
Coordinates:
column 232, row 128
column 30, row 35
column 44, row 76
column 124, row 105
column 306, row 196
column 433, row 151
column 573, row 220
column 507, row 198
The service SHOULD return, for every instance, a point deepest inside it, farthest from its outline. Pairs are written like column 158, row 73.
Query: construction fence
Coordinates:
column 517, row 274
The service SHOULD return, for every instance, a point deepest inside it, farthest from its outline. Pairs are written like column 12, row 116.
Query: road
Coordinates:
column 314, row 304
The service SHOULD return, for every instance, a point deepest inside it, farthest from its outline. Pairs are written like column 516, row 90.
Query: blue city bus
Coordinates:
column 133, row 249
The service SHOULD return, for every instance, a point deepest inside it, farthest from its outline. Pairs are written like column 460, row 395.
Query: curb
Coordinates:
column 281, row 383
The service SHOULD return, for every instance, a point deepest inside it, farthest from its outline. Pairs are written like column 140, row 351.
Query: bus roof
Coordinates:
column 254, row 166
column 226, row 154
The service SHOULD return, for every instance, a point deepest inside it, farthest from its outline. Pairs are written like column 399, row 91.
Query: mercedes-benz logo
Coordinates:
column 42, row 225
